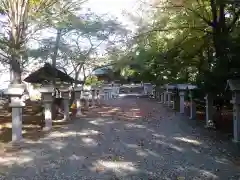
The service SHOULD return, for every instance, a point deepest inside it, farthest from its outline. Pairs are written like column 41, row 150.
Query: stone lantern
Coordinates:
column 164, row 96
column 15, row 92
column 209, row 110
column 64, row 89
column 47, row 99
column 234, row 86
column 182, row 90
column 115, row 90
column 154, row 92
column 93, row 89
column 78, row 95
column 98, row 97
column 169, row 92
column 107, row 93
column 86, row 95
column 161, row 95
column 175, row 98
column 192, row 102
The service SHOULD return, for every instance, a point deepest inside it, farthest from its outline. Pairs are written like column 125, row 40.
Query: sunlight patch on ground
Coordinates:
column 208, row 174
column 158, row 135
column 187, row 140
column 5, row 125
column 89, row 141
column 129, row 94
column 131, row 145
column 141, row 153
column 119, row 167
column 196, row 150
column 57, row 145
column 222, row 160
column 75, row 157
column 29, row 141
column 60, row 134
column 11, row 160
column 113, row 110
column 98, row 121
column 170, row 145
column 150, row 152
column 88, row 132
column 132, row 125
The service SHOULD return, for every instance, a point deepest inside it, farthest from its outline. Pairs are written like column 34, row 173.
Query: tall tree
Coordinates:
column 19, row 14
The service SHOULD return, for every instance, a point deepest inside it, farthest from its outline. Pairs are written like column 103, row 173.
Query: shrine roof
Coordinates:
column 47, row 73
column 102, row 71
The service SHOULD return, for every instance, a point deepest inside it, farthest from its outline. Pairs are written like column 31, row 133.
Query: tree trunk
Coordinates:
column 220, row 39
column 16, row 69
column 77, row 73
column 55, row 53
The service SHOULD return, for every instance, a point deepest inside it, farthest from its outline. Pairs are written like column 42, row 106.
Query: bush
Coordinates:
column 93, row 81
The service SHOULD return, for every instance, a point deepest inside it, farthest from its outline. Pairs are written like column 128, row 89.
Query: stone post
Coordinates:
column 86, row 95
column 87, row 98
column 118, row 90
column 161, row 98
column 106, row 96
column 98, row 96
column 93, row 96
column 65, row 95
column 236, row 123
column 144, row 89
column 158, row 96
column 236, row 116
column 107, row 93
column 78, row 96
column 209, row 111
column 111, row 92
column 15, row 91
column 164, row 97
column 182, row 101
column 47, row 100
column 169, row 98
column 192, row 106
column 173, row 97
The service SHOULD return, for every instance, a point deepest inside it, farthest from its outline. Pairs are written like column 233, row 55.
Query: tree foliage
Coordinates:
column 185, row 41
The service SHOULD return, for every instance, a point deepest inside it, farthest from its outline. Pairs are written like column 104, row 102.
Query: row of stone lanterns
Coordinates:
column 15, row 92
column 174, row 95
column 168, row 92
column 110, row 91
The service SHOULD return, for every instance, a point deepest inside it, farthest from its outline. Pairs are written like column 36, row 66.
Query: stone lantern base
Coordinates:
column 15, row 92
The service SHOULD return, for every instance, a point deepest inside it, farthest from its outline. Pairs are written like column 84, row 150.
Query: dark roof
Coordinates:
column 102, row 71
column 47, row 73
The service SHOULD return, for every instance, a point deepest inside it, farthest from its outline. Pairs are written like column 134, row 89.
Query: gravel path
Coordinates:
column 135, row 138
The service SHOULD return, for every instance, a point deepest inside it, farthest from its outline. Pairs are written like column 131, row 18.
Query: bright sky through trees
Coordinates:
column 113, row 8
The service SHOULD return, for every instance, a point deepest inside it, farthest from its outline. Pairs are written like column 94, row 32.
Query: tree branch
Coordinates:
column 173, row 29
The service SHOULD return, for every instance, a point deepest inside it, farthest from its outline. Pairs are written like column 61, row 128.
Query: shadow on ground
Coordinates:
column 131, row 139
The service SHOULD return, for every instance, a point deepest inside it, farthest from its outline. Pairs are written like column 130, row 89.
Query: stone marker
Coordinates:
column 209, row 111
column 78, row 96
column 47, row 99
column 15, row 92
column 235, row 88
column 64, row 89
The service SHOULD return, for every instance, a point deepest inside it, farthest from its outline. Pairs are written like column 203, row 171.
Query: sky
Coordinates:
column 114, row 8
